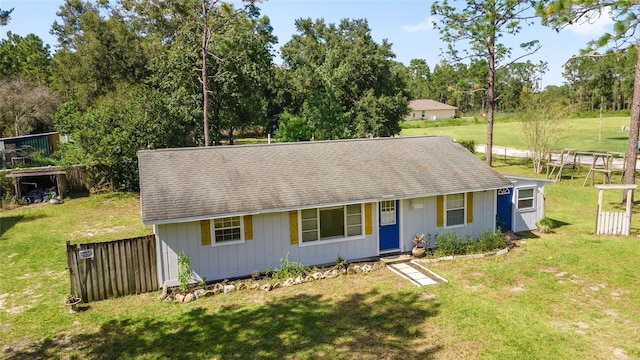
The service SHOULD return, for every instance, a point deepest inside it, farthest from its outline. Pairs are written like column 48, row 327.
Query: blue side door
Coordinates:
column 389, row 220
column 505, row 209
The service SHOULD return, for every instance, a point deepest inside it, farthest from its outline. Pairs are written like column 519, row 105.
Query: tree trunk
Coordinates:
column 205, row 92
column 490, row 105
column 632, row 150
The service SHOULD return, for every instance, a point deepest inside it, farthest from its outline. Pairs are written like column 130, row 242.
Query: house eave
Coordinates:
column 311, row 206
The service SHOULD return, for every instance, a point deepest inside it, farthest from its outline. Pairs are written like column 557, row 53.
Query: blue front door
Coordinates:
column 505, row 207
column 389, row 220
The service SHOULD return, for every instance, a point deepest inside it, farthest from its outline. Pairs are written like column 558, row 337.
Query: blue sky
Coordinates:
column 404, row 23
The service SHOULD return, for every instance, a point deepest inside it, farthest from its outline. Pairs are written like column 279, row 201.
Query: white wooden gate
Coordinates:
column 614, row 222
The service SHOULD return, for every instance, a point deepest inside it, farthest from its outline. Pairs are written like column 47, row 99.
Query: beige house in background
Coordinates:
column 424, row 109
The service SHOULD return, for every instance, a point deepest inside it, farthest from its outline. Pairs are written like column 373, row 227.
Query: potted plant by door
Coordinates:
column 419, row 249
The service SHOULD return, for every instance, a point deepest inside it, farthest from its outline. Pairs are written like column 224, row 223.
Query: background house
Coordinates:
column 236, row 209
column 424, row 109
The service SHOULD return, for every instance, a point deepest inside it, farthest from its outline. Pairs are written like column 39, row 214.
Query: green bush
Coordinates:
column 449, row 243
column 492, row 240
column 6, row 189
column 288, row 269
column 185, row 274
column 469, row 145
column 545, row 221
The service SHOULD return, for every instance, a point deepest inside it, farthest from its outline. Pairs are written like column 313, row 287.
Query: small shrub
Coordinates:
column 289, row 269
column 545, row 221
column 341, row 263
column 469, row 145
column 491, row 240
column 448, row 243
column 185, row 274
column 545, row 225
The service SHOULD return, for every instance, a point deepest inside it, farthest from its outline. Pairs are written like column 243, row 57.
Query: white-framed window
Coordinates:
column 454, row 210
column 331, row 223
column 525, row 198
column 227, row 230
column 423, row 113
column 387, row 212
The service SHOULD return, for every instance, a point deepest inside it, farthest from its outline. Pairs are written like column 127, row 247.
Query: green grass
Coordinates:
column 565, row 295
column 581, row 134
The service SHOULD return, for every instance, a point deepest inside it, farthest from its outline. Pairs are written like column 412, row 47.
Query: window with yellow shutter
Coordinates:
column 227, row 230
column 331, row 223
column 454, row 210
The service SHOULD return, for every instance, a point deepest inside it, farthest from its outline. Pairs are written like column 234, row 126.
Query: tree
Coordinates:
column 335, row 71
column 420, row 79
column 480, row 24
column 106, row 137
column 293, row 128
column 4, row 16
column 98, row 51
column 542, row 127
column 210, row 56
column 26, row 56
column 515, row 81
column 626, row 16
column 25, row 108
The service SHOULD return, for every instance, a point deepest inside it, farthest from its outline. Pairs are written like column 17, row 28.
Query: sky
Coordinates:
column 406, row 24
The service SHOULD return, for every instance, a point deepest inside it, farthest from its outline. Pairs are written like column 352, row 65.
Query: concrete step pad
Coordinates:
column 416, row 273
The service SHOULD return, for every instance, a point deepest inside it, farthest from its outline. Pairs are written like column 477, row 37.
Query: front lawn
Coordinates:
column 565, row 295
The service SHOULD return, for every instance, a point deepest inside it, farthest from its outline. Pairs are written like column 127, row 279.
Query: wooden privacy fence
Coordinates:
column 111, row 269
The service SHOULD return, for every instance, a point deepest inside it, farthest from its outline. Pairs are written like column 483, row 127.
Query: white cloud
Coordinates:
column 594, row 24
column 426, row 25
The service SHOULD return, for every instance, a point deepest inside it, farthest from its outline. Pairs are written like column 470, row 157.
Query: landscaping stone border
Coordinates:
column 257, row 283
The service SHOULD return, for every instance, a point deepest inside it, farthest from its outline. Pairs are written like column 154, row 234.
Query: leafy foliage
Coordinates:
column 479, row 25
column 542, row 128
column 469, row 145
column 185, row 273
column 106, row 138
column 25, row 57
column 293, row 128
column 450, row 243
column 4, row 16
column 343, row 83
column 560, row 14
column 288, row 269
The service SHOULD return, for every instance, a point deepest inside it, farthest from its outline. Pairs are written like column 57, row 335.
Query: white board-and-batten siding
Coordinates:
column 525, row 219
column 419, row 216
column 271, row 242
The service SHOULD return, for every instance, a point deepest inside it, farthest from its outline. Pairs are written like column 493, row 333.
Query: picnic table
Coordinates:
column 598, row 162
column 601, row 164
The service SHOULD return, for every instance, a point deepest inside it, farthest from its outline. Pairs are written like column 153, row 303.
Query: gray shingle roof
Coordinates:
column 425, row 104
column 197, row 183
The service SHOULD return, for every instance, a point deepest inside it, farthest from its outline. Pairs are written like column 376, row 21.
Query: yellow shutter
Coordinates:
column 368, row 220
column 248, row 227
column 469, row 207
column 205, row 231
column 440, row 211
column 293, row 226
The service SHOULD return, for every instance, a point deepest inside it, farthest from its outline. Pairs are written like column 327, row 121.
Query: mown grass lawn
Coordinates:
column 565, row 295
column 581, row 134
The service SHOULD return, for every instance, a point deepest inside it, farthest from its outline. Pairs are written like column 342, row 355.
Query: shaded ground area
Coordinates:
column 377, row 326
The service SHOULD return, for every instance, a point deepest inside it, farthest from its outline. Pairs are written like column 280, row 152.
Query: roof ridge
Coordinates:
column 297, row 143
